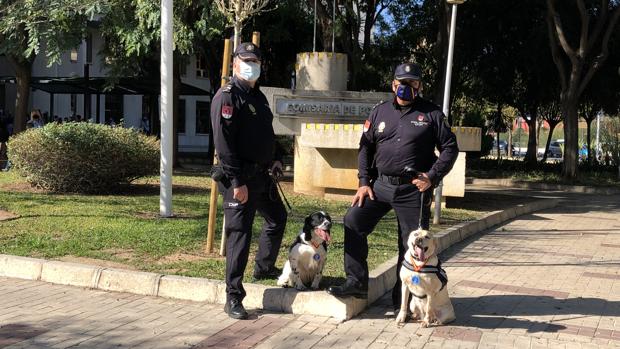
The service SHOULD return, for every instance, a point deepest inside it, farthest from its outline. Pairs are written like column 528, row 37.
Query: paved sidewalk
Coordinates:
column 545, row 280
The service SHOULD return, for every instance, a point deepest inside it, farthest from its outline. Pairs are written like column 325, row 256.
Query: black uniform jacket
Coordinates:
column 395, row 137
column 242, row 130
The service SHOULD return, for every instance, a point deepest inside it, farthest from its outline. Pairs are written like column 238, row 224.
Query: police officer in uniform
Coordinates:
column 397, row 163
column 246, row 147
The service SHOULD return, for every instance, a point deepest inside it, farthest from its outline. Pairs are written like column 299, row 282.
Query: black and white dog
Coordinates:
column 307, row 255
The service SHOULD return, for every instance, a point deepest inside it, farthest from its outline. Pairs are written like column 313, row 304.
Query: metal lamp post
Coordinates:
column 446, row 96
column 165, row 110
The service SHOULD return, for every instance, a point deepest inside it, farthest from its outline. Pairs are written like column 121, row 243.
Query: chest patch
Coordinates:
column 252, row 109
column 317, row 257
column 420, row 121
column 227, row 111
column 381, row 127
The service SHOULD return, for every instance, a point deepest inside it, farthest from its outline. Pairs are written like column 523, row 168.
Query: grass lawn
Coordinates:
column 594, row 176
column 124, row 230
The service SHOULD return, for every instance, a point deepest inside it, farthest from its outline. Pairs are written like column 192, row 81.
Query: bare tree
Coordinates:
column 238, row 11
column 578, row 57
column 552, row 115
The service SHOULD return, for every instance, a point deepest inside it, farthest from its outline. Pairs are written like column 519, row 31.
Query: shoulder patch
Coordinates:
column 227, row 111
column 367, row 126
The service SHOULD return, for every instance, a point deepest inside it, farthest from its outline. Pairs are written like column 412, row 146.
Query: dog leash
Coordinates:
column 274, row 178
column 421, row 209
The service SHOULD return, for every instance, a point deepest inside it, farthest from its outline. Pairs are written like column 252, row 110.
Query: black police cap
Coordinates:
column 408, row 71
column 248, row 50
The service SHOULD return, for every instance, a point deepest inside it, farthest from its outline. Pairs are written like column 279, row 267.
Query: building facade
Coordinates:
column 194, row 122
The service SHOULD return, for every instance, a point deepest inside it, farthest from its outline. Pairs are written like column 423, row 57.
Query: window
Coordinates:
column 201, row 66
column 74, row 55
column 113, row 109
column 181, row 121
column 73, row 104
column 203, row 117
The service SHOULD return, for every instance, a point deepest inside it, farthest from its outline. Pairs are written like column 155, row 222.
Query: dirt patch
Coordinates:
column 186, row 257
column 126, row 254
column 155, row 215
column 97, row 262
column 6, row 215
column 23, row 187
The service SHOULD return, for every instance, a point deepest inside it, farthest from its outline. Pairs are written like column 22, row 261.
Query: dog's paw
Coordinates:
column 401, row 318
column 425, row 324
column 301, row 287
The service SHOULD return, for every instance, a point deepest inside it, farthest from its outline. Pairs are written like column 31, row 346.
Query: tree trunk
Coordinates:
column 509, row 145
column 499, row 154
column 551, row 127
column 571, row 136
column 588, row 140
column 237, row 38
column 23, row 75
column 531, row 155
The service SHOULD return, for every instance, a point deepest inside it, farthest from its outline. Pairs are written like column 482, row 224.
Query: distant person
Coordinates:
column 36, row 120
column 4, row 138
column 145, row 124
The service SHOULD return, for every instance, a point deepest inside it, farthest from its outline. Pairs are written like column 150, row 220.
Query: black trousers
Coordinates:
column 359, row 222
column 264, row 198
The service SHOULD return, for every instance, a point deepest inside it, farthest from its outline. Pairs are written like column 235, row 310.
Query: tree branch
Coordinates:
column 598, row 61
column 555, row 54
column 600, row 24
column 553, row 13
column 585, row 27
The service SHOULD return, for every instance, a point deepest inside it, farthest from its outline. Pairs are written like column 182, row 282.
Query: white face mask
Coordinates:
column 249, row 71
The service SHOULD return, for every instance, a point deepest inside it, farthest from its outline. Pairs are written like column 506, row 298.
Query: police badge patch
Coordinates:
column 367, row 126
column 227, row 111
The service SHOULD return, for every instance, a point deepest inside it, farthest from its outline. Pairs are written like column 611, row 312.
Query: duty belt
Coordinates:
column 396, row 180
column 436, row 269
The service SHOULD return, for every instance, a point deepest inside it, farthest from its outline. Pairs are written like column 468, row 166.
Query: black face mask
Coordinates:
column 406, row 92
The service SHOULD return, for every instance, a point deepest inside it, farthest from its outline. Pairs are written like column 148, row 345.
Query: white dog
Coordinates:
column 422, row 275
column 308, row 253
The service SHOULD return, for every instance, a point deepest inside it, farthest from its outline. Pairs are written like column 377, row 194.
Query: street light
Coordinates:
column 446, row 96
column 165, row 110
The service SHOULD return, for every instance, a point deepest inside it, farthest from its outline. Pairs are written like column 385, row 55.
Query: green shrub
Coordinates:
column 83, row 157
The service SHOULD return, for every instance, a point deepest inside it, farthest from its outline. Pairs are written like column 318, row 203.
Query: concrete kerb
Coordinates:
column 507, row 182
column 276, row 299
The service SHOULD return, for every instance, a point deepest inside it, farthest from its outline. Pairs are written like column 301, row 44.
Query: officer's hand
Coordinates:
column 362, row 192
column 241, row 194
column 276, row 169
column 422, row 182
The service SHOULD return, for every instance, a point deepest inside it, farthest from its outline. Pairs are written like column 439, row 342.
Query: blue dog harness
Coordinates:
column 441, row 274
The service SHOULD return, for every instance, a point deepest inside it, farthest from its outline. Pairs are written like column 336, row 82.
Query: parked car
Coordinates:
column 555, row 150
column 503, row 147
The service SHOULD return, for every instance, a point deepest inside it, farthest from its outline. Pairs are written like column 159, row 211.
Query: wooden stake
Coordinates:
column 214, row 190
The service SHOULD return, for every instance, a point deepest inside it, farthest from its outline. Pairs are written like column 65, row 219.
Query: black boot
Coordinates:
column 349, row 289
column 234, row 308
column 272, row 273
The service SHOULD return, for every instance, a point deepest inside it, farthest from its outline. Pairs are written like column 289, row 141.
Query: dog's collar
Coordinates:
column 315, row 245
column 429, row 269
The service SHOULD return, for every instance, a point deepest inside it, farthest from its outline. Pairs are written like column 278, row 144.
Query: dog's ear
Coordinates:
column 307, row 229
column 308, row 225
column 308, row 236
